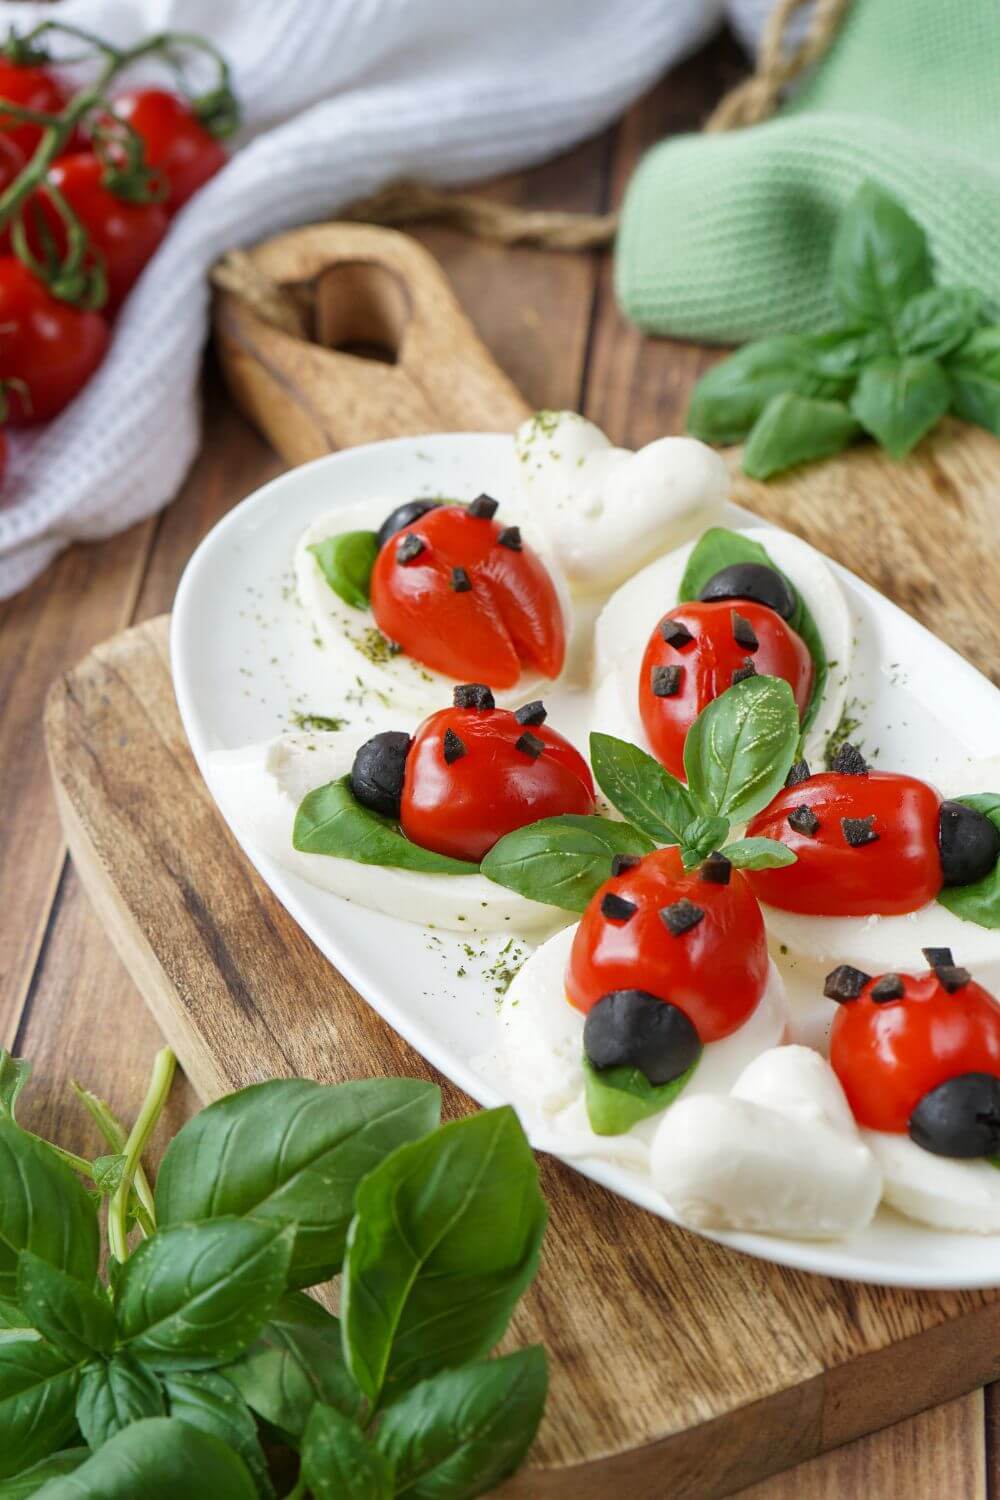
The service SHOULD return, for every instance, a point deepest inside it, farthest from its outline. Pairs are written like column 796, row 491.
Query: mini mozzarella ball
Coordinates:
column 608, row 510
column 779, row 1155
column 937, row 1190
column 260, row 788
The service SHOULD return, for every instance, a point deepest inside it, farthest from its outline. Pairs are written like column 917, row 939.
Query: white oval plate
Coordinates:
column 243, row 664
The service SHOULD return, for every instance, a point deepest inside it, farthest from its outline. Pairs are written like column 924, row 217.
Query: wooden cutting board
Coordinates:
column 678, row 1368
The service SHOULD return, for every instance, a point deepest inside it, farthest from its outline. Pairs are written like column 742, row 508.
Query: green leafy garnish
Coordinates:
column 562, row 861
column 899, row 400
column 346, row 561
column 330, row 820
column 739, row 748
column 618, row 1098
column 795, row 430
column 643, row 792
column 759, row 854
column 979, row 902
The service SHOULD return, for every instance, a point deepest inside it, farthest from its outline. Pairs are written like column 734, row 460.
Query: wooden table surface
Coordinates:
column 65, row 1000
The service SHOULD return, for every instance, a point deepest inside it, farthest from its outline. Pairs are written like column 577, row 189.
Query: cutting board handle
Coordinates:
column 365, row 290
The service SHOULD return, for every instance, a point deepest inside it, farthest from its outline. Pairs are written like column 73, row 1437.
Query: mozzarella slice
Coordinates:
column 937, row 1190
column 359, row 653
column 607, row 510
column 260, row 787
column 627, row 620
column 781, row 1154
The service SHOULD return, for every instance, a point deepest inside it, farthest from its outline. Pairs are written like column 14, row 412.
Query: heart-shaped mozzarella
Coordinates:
column 606, row 511
column 781, row 1154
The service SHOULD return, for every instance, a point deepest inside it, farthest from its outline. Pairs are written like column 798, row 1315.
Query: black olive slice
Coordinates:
column 752, row 581
column 969, row 842
column 633, row 1029
column 377, row 773
column 960, row 1117
column 403, row 515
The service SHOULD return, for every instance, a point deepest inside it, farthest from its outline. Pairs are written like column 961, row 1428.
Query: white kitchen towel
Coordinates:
column 339, row 97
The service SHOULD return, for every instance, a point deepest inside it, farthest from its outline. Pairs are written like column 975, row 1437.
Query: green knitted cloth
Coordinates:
column 727, row 237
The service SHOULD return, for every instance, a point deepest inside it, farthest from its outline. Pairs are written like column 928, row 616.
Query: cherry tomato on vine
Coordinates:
column 464, row 595
column 697, row 651
column 33, row 88
column 123, row 234
column 176, row 143
column 473, row 775
column 51, row 346
column 691, row 940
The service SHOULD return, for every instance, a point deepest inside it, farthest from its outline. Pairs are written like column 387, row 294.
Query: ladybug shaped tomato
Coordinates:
column 920, row 1053
column 465, row 595
column 691, row 938
column 868, row 842
column 471, row 774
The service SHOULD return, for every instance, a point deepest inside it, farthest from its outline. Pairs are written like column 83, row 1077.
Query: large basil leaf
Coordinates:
column 974, row 370
column 45, row 1208
column 796, row 430
column 198, row 1295
column 14, row 1074
column 445, row 1239
column 618, row 1098
column 459, row 1434
column 730, row 397
column 346, row 561
column 37, row 1395
column 297, row 1361
column 159, row 1459
column 759, row 854
column 338, row 1461
column 562, row 860
column 330, row 820
column 292, row 1152
column 740, row 747
column 938, row 320
column 78, row 1321
column 899, row 400
column 880, row 258
column 639, row 787
column 207, row 1400
column 979, row 902
column 114, row 1393
column 29, row 1482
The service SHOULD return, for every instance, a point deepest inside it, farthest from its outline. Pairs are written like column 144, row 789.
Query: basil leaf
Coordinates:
column 338, row 1461
column 198, row 1295
column 795, row 430
column 979, row 902
column 46, row 1209
column 938, row 320
column 37, row 1395
column 158, row 1459
column 899, row 401
column 701, row 836
column 638, row 786
column 729, row 398
column 292, row 1152
column 293, row 1365
column 330, row 820
column 14, row 1074
column 618, row 1098
column 562, row 860
column 12, row 1319
column 114, row 1393
column 445, row 1239
column 740, row 747
column 346, row 561
column 841, row 354
column 974, row 370
column 212, row 1404
column 759, row 854
column 459, row 1434
column 108, row 1172
column 29, row 1482
column 880, row 258
column 77, row 1321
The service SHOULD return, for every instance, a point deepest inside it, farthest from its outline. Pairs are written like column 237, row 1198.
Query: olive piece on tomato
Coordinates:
column 961, row 1117
column 378, row 772
column 404, row 515
column 756, row 581
column 969, row 843
column 634, row 1029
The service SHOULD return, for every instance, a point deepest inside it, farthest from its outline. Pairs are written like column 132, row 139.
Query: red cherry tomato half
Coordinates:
column 506, row 620
column 176, row 143
column 50, row 346
column 3, row 458
column 888, row 1055
column 899, row 871
column 123, row 234
column 463, row 807
column 707, row 663
column 715, row 972
column 12, row 159
column 33, row 88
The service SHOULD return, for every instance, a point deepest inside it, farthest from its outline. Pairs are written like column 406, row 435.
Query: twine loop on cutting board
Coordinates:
column 751, row 101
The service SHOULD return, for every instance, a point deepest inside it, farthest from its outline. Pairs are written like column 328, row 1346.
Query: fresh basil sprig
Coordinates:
column 563, row 860
column 346, row 561
column 330, row 820
column 979, row 902
column 905, row 353
column 198, row 1365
